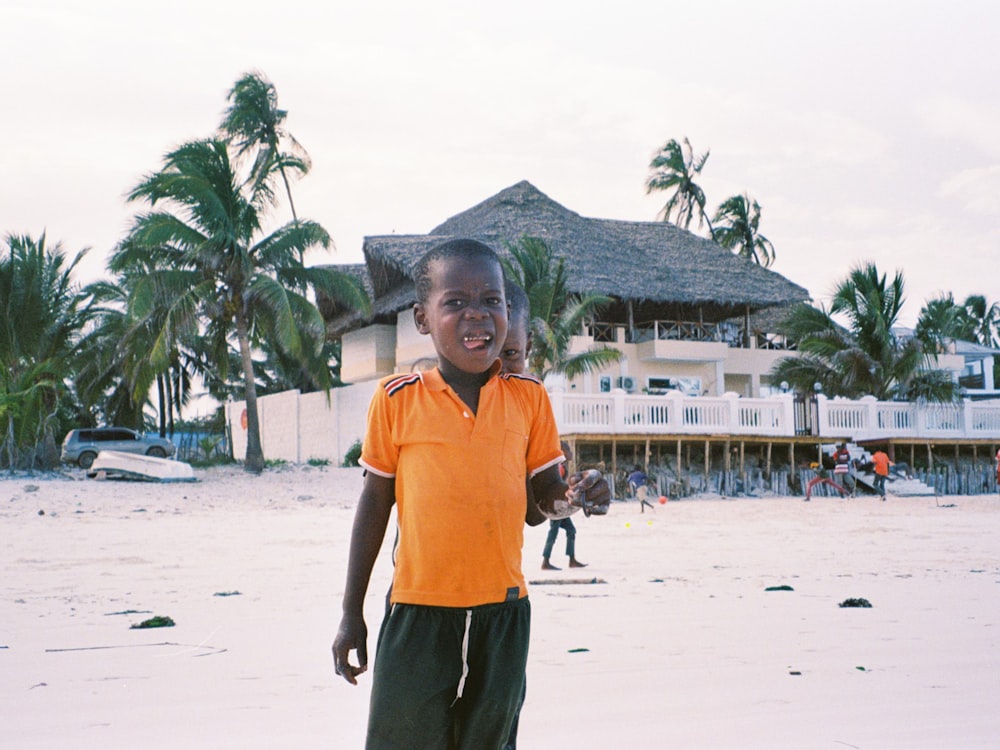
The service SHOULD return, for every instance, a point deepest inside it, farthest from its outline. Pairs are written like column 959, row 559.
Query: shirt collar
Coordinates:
column 433, row 379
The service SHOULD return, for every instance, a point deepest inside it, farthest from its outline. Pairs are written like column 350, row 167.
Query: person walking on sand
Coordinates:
column 821, row 478
column 842, row 469
column 881, row 463
column 514, row 356
column 637, row 485
column 566, row 524
column 451, row 653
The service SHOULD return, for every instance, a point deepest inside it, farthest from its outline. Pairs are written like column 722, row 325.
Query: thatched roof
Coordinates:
column 662, row 269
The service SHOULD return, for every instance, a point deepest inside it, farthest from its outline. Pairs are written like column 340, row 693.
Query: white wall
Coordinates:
column 296, row 427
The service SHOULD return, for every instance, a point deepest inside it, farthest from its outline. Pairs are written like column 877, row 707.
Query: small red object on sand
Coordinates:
column 663, row 499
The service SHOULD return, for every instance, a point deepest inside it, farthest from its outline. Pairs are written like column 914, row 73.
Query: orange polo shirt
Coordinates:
column 881, row 461
column 460, row 492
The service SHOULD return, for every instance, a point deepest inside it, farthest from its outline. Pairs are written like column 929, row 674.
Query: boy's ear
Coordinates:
column 527, row 345
column 420, row 319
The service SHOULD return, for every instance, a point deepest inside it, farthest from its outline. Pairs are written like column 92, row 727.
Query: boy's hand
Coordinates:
column 589, row 490
column 352, row 634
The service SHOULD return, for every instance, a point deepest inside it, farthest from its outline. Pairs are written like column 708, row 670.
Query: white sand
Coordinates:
column 684, row 648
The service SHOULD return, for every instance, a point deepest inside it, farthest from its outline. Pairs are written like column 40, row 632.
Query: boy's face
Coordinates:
column 465, row 314
column 516, row 348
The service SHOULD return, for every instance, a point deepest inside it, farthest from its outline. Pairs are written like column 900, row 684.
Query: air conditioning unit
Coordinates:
column 627, row 384
column 605, row 383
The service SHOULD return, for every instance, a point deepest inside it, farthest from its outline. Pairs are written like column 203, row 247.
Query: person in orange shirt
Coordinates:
column 882, row 463
column 451, row 448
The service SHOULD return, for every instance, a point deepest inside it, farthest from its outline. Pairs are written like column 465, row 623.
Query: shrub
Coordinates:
column 351, row 458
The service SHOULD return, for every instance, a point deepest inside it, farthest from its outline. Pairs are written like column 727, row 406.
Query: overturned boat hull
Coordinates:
column 117, row 465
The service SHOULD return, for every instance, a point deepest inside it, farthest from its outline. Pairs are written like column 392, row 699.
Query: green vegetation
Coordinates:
column 556, row 314
column 674, row 168
column 318, row 462
column 43, row 314
column 160, row 621
column 199, row 289
column 866, row 356
column 353, row 455
column 736, row 224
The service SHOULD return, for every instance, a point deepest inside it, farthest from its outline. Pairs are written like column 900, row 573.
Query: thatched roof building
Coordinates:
column 659, row 269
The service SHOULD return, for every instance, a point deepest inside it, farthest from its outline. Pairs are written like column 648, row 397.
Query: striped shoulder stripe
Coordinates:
column 396, row 384
column 519, row 376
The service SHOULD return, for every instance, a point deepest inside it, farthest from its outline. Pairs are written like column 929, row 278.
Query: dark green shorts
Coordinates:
column 448, row 678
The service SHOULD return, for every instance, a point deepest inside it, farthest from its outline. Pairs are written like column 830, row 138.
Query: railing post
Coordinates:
column 967, row 423
column 559, row 409
column 618, row 408
column 787, row 425
column 675, row 410
column 732, row 412
column 870, row 417
column 920, row 418
column 822, row 416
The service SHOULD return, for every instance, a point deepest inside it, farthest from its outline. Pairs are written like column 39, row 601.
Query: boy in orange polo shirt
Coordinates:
column 451, row 448
column 881, row 463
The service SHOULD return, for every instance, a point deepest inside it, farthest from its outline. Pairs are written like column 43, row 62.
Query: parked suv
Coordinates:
column 82, row 446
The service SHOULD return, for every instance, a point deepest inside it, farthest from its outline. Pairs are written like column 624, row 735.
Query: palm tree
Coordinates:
column 983, row 319
column 737, row 227
column 940, row 321
column 556, row 314
column 213, row 274
column 675, row 167
column 254, row 124
column 43, row 314
column 866, row 357
column 115, row 359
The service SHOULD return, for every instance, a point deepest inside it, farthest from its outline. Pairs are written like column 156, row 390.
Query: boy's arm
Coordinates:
column 533, row 516
column 558, row 499
column 370, row 522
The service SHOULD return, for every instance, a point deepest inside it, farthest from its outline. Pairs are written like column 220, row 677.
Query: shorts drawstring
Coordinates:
column 465, row 656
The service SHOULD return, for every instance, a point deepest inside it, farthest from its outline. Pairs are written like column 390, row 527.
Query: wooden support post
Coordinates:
column 913, row 455
column 728, row 463
column 708, row 459
column 791, row 456
column 678, row 458
column 930, row 458
column 742, row 455
column 645, row 466
column 768, row 462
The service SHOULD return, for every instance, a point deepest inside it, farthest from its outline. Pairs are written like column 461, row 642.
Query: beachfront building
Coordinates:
column 683, row 309
column 697, row 327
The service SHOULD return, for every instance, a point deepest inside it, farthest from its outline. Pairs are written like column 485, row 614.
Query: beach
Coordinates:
column 669, row 638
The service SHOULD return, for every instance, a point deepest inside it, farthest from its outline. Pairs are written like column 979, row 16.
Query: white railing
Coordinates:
column 620, row 413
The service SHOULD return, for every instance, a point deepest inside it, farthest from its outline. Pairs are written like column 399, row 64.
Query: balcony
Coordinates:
column 622, row 414
column 726, row 332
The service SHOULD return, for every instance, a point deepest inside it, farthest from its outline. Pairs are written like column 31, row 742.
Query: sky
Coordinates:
column 868, row 131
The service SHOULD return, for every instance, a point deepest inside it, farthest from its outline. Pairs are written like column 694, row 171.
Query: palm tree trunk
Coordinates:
column 171, row 403
column 163, row 404
column 254, row 462
column 288, row 190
